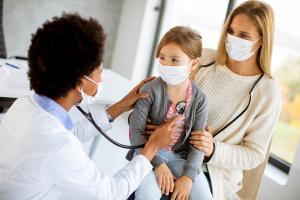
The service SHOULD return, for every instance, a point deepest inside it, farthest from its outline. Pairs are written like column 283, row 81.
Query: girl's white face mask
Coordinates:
column 239, row 49
column 173, row 75
column 91, row 99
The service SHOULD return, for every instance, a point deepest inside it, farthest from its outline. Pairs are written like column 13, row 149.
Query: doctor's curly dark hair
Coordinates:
column 62, row 51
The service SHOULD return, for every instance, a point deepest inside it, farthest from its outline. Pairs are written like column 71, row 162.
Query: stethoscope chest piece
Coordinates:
column 180, row 107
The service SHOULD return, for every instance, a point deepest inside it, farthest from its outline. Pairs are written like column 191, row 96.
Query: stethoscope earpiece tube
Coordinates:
column 90, row 118
column 239, row 115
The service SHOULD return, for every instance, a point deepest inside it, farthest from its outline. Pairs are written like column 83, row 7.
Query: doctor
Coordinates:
column 40, row 155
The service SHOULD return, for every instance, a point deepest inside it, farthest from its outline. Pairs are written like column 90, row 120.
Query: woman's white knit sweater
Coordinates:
column 243, row 145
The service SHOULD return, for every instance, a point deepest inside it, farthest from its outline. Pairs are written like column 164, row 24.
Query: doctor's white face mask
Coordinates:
column 239, row 49
column 173, row 75
column 91, row 99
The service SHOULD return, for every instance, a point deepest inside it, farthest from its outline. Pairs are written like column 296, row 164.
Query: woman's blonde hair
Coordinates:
column 189, row 41
column 261, row 14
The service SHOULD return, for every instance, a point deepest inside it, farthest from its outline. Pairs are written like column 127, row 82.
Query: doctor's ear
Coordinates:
column 78, row 88
column 79, row 85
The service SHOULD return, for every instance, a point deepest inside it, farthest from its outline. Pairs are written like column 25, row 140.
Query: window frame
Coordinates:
column 279, row 163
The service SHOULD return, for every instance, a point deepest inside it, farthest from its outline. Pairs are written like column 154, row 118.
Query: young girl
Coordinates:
column 177, row 166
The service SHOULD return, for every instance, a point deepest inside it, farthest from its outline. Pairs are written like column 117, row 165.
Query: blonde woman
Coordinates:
column 241, row 123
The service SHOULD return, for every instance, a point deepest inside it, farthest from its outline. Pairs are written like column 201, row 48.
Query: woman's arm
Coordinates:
column 252, row 150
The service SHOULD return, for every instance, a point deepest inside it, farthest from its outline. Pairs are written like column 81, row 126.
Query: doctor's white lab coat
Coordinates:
column 41, row 159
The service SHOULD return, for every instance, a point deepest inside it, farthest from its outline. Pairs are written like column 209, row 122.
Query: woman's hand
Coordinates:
column 182, row 188
column 203, row 141
column 127, row 103
column 165, row 178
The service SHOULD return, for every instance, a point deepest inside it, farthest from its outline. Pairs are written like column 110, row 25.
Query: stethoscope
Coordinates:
column 89, row 117
column 180, row 107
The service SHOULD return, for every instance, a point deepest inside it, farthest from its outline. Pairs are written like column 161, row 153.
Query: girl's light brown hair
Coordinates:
column 261, row 14
column 189, row 41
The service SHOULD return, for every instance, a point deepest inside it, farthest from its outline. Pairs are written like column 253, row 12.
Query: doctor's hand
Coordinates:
column 127, row 103
column 150, row 128
column 160, row 138
column 165, row 179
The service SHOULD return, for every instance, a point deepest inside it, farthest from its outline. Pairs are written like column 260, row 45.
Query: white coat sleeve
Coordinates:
column 72, row 170
column 84, row 130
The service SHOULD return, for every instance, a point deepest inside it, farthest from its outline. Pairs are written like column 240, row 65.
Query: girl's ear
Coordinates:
column 194, row 67
column 195, row 64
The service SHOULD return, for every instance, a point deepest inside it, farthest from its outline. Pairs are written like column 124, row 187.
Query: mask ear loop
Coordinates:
column 257, row 39
column 83, row 94
column 254, row 43
column 88, row 78
column 84, row 100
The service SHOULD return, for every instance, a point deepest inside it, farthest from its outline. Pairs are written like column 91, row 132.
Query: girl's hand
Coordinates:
column 182, row 188
column 165, row 178
column 203, row 141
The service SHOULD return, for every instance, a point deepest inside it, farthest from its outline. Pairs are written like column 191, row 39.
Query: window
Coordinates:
column 286, row 69
column 207, row 17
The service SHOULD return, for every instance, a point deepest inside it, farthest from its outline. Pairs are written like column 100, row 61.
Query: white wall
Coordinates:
column 271, row 189
column 22, row 17
column 135, row 38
